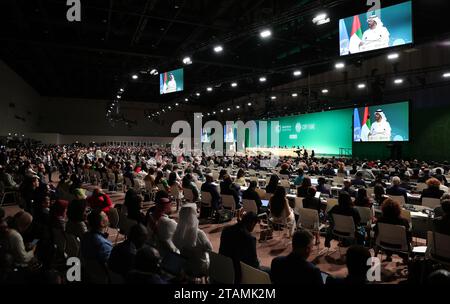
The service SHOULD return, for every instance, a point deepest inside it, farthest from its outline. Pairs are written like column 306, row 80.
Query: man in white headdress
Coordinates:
column 171, row 85
column 376, row 37
column 380, row 129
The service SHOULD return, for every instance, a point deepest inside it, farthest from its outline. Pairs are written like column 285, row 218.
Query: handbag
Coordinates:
column 223, row 215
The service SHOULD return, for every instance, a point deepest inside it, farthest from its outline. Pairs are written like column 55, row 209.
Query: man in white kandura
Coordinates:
column 171, row 85
column 376, row 37
column 380, row 129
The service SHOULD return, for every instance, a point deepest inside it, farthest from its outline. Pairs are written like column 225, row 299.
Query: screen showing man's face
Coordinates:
column 377, row 116
column 372, row 24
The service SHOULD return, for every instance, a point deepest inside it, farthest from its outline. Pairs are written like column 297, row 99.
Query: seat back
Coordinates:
column 406, row 214
column 188, row 195
column 421, row 186
column 175, row 191
column 206, row 199
column 249, row 206
column 366, row 214
column 308, row 219
column 398, row 198
column 331, row 202
column 285, row 184
column 72, row 245
column 440, row 248
column 344, row 226
column 228, row 202
column 431, row 202
column 261, row 193
column 251, row 275
column 221, row 269
column 125, row 223
column 113, row 217
column 392, row 237
column 370, row 192
column 298, row 204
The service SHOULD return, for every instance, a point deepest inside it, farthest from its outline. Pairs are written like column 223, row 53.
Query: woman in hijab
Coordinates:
column 192, row 242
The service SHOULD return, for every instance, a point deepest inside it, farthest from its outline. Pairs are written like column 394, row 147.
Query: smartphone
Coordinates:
column 34, row 242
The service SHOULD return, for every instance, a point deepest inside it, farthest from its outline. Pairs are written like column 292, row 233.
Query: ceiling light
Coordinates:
column 121, row 90
column 237, row 107
column 214, row 113
column 187, row 60
column 262, row 79
column 398, row 81
column 209, row 89
column 197, row 94
column 392, row 56
column 118, row 96
column 249, row 104
column 234, row 84
column 446, row 75
column 339, row 65
column 273, row 97
column 297, row 73
column 221, row 111
column 228, row 109
column 170, row 108
column 154, row 72
column 321, row 19
column 218, row 49
column 176, row 104
column 135, row 76
column 186, row 99
column 265, row 33
column 294, row 94
column 361, row 86
column 324, row 91
column 163, row 110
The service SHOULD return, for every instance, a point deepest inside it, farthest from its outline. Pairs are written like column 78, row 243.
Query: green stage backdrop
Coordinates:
column 323, row 132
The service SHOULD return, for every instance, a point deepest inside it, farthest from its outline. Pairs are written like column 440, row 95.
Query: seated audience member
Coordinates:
column 99, row 200
column 438, row 211
column 344, row 207
column 162, row 227
column 21, row 222
column 280, row 211
column 348, row 188
column 273, row 183
column 358, row 180
column 310, row 201
column 294, row 268
column 7, row 179
column 433, row 190
column 238, row 243
column 378, row 181
column 149, row 181
column 122, row 258
column 58, row 213
column 211, row 188
column 222, row 173
column 161, row 182
column 328, row 170
column 146, row 268
column 362, row 200
column 33, row 193
column 396, row 190
column 251, row 194
column 322, row 186
column 440, row 277
column 379, row 193
column 391, row 214
column 441, row 224
column 227, row 187
column 440, row 177
column 425, row 176
column 356, row 260
column 95, row 244
column 299, row 178
column 240, row 178
column 303, row 189
column 76, row 218
column 188, row 183
column 341, row 170
column 133, row 203
column 192, row 242
column 285, row 170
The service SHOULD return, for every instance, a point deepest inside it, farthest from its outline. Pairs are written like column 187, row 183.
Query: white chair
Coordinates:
column 439, row 247
column 338, row 180
column 4, row 193
column 221, row 269
column 206, row 199
column 421, row 186
column 392, row 237
column 431, row 202
column 406, row 214
column 344, row 228
column 298, row 204
column 366, row 215
column 398, row 198
column 188, row 195
column 309, row 220
column 250, row 275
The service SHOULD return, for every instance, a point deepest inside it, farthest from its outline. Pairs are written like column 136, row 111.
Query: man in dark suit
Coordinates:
column 310, row 201
column 358, row 180
column 251, row 194
column 294, row 268
column 209, row 187
column 396, row 189
column 237, row 243
column 348, row 188
column 328, row 170
column 442, row 224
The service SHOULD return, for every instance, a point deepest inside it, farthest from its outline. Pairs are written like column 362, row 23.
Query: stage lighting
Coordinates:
column 218, row 49
column 265, row 33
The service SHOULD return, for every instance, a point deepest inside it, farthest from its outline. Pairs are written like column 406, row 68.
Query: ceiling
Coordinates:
column 117, row 38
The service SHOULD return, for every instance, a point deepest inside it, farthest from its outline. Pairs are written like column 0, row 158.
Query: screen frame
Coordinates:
column 390, row 48
column 176, row 91
column 383, row 104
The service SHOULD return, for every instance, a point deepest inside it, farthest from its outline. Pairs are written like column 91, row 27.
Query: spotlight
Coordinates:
column 170, row 108
column 197, row 94
column 265, row 33
column 294, row 95
column 234, row 84
column 273, row 97
column 209, row 89
column 324, row 91
column 121, row 90
column 218, row 49
column 228, row 109
column 297, row 73
column 262, row 79
column 249, row 104
column 118, row 96
column 446, row 75
column 392, row 56
column 187, row 60
column 135, row 76
column 237, row 107
column 214, row 113
column 176, row 104
column 186, row 99
column 339, row 65
column 321, row 19
column 221, row 111
column 361, row 86
column 398, row 81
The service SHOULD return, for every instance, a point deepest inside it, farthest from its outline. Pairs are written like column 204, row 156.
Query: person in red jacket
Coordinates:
column 100, row 200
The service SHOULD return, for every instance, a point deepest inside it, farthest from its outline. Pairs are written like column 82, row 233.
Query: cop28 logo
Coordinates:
column 298, row 127
column 74, row 12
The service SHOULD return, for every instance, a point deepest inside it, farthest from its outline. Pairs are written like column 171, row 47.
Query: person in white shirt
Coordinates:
column 171, row 85
column 22, row 257
column 376, row 37
column 380, row 129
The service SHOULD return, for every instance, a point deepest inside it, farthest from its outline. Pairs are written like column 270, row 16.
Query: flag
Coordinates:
column 165, row 78
column 365, row 129
column 356, row 36
column 343, row 38
column 356, row 126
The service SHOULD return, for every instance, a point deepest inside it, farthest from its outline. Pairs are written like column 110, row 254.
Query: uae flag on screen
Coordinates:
column 356, row 36
column 365, row 127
